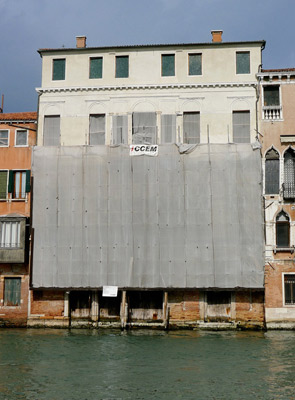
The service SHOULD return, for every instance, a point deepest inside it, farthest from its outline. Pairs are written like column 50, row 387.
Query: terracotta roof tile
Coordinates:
column 21, row 116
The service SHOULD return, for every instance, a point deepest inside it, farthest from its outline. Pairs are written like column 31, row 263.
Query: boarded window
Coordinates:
column 3, row 184
column 59, row 69
column 144, row 129
column 21, row 138
column 289, row 174
column 282, row 230
column 120, row 129
column 272, row 172
column 191, row 127
column 289, row 284
column 4, row 138
column 241, row 126
column 122, row 67
column 97, row 129
column 168, row 128
column 9, row 234
column 243, row 62
column 195, row 64
column 51, row 133
column 95, row 68
column 12, row 291
column 271, row 95
column 168, row 64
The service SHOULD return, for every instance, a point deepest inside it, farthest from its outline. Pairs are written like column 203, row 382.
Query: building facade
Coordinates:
column 173, row 235
column 277, row 99
column 17, row 137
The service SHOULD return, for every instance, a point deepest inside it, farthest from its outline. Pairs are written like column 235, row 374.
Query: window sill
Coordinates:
column 283, row 250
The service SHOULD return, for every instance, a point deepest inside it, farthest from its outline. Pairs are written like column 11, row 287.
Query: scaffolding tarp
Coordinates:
column 103, row 218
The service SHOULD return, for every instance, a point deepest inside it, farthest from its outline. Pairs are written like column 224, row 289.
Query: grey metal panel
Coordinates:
column 177, row 220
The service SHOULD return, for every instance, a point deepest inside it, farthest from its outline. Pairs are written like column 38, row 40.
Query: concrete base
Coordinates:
column 281, row 325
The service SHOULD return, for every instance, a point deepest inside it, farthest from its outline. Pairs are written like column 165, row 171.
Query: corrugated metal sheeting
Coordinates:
column 102, row 217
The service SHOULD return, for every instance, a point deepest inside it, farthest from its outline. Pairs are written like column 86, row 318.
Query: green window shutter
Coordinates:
column 28, row 181
column 122, row 67
column 10, row 181
column 59, row 69
column 95, row 71
column 168, row 64
column 195, row 64
column 12, row 291
column 243, row 62
column 3, row 184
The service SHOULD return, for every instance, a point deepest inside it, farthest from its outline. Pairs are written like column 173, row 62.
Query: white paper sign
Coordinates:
column 110, row 291
column 140, row 149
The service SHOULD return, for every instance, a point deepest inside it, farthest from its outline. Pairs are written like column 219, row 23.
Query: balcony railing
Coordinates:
column 272, row 112
column 289, row 190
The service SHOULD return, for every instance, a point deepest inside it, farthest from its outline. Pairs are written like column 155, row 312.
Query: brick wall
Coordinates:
column 184, row 305
column 47, row 303
column 274, row 282
column 250, row 306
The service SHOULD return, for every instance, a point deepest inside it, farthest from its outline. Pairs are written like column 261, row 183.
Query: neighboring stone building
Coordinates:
column 17, row 136
column 178, row 231
column 277, row 102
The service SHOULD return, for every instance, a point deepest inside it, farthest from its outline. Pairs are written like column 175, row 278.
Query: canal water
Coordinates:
column 90, row 365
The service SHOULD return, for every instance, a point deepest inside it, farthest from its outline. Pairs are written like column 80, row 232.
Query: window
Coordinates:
column 10, row 234
column 59, row 69
column 289, row 286
column 271, row 102
column 3, row 185
column 289, row 174
column 19, row 184
column 144, row 128
column 168, row 64
column 195, row 64
column 122, row 67
column 241, row 126
column 191, row 127
column 4, row 138
column 243, row 62
column 97, row 129
column 168, row 128
column 51, row 133
column 95, row 68
column 21, row 138
column 12, row 291
column 120, row 129
column 282, row 230
column 272, row 172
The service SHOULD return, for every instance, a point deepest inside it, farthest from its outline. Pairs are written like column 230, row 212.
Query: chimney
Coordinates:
column 216, row 36
column 80, row 42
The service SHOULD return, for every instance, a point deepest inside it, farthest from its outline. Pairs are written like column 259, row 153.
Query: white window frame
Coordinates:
column 21, row 145
column 8, row 135
column 25, row 198
column 263, row 107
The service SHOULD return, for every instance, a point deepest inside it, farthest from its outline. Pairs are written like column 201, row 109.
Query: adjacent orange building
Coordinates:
column 17, row 136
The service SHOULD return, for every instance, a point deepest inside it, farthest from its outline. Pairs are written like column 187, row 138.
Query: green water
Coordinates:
column 82, row 364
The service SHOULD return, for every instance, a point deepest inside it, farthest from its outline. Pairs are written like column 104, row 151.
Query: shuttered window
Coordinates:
column 195, row 64
column 168, row 64
column 122, row 67
column 10, row 234
column 283, row 230
column 191, row 127
column 59, row 69
column 3, row 184
column 168, row 128
column 95, row 68
column 272, row 172
column 144, row 128
column 289, row 285
column 120, row 129
column 97, row 129
column 289, row 174
column 51, row 133
column 243, row 62
column 12, row 291
column 19, row 184
column 241, row 126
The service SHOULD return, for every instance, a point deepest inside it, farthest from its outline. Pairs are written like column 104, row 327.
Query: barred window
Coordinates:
column 272, row 172
column 289, row 285
column 289, row 174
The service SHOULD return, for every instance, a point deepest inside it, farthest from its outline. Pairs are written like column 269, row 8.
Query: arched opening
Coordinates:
column 289, row 174
column 283, row 230
column 272, row 172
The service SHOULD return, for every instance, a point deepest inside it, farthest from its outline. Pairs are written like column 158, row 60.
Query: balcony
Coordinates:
column 272, row 113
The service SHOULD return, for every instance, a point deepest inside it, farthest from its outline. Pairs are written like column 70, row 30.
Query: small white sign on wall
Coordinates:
column 140, row 149
column 110, row 291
